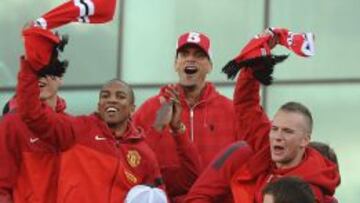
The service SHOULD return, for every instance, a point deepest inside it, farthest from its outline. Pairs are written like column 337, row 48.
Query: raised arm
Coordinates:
column 41, row 60
column 257, row 63
column 55, row 128
column 253, row 123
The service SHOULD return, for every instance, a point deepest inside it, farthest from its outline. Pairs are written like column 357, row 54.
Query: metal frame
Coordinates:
column 266, row 24
column 120, row 38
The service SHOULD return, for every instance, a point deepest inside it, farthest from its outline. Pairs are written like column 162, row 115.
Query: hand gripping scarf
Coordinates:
column 42, row 49
column 257, row 53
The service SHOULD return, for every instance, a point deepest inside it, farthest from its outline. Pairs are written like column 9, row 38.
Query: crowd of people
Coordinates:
column 189, row 143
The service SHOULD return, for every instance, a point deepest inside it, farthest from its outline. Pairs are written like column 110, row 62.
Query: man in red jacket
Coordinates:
column 214, row 183
column 102, row 155
column 280, row 146
column 288, row 155
column 207, row 116
column 29, row 166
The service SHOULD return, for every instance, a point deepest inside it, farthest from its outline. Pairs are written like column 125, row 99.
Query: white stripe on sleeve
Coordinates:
column 91, row 7
column 81, row 7
column 41, row 22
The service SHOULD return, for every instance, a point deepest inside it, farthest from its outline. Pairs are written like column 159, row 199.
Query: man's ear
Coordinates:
column 98, row 107
column 305, row 141
column 132, row 109
column 210, row 68
column 175, row 66
column 61, row 81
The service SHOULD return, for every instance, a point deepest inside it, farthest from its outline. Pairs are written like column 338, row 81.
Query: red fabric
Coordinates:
column 250, row 179
column 301, row 44
column 60, row 105
column 210, row 128
column 94, row 166
column 111, row 167
column 39, row 45
column 253, row 124
column 214, row 183
column 88, row 11
column 12, row 104
column 196, row 38
column 257, row 46
column 29, row 167
column 321, row 174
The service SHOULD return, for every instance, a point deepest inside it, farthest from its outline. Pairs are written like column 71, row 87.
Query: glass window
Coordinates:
column 336, row 37
column 81, row 102
column 149, row 35
column 92, row 50
column 142, row 94
column 77, row 102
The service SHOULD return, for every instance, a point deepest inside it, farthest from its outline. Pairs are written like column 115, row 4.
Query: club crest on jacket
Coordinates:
column 133, row 158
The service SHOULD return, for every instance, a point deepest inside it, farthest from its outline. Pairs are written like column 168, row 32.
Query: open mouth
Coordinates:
column 191, row 70
column 278, row 149
column 111, row 110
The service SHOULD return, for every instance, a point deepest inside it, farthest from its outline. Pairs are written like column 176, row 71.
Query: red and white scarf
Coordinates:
column 257, row 52
column 84, row 11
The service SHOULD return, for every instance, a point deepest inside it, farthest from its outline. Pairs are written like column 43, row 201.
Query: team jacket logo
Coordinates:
column 33, row 140
column 133, row 158
column 130, row 177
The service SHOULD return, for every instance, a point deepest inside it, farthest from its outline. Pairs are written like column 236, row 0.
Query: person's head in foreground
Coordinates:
column 288, row 190
column 324, row 150
column 146, row 194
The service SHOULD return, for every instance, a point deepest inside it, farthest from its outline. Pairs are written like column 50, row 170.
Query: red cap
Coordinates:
column 39, row 45
column 195, row 38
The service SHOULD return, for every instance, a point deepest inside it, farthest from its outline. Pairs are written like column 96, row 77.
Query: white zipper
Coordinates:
column 192, row 124
column 192, row 121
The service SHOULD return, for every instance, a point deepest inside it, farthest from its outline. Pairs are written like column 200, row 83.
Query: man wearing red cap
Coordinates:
column 30, row 166
column 102, row 155
column 207, row 117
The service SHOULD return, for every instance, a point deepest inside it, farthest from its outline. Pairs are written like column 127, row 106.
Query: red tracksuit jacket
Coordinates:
column 29, row 166
column 94, row 166
column 213, row 185
column 210, row 127
column 322, row 175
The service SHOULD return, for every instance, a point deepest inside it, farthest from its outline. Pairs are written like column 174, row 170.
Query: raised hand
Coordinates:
column 170, row 111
